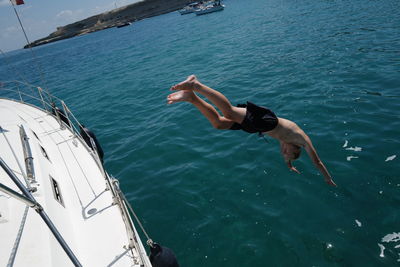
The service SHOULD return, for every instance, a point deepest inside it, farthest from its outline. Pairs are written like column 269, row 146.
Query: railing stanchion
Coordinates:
column 19, row 93
column 41, row 97
column 57, row 113
column 66, row 111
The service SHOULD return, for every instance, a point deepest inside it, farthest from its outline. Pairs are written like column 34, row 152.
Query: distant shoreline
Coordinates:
column 113, row 18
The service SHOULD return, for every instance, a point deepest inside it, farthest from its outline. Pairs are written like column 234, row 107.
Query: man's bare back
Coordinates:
column 289, row 132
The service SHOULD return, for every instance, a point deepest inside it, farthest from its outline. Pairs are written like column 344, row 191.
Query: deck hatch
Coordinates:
column 56, row 191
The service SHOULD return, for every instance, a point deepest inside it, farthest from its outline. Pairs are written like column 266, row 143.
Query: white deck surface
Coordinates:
column 91, row 225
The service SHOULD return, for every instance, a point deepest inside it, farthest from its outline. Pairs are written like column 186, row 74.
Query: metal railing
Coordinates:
column 35, row 96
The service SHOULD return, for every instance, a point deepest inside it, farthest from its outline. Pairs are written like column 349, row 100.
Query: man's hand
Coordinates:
column 293, row 169
column 330, row 182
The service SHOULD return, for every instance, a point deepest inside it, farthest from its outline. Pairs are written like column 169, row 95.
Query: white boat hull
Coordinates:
column 85, row 214
column 186, row 11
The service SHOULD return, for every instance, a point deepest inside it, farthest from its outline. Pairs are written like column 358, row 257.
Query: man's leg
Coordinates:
column 217, row 121
column 230, row 112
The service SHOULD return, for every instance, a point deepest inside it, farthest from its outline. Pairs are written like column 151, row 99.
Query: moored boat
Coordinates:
column 189, row 8
column 124, row 24
column 214, row 7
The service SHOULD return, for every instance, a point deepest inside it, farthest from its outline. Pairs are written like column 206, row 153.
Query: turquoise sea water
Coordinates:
column 226, row 198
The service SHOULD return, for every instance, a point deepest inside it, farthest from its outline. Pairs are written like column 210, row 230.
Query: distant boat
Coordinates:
column 124, row 24
column 189, row 8
column 209, row 9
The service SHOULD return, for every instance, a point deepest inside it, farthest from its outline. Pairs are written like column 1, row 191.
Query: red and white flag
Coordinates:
column 17, row 2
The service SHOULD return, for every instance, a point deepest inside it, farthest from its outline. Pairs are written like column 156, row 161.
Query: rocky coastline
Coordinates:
column 113, row 18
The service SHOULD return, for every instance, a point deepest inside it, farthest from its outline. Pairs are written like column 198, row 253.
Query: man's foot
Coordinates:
column 180, row 96
column 189, row 84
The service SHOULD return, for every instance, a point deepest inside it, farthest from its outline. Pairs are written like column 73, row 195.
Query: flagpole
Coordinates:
column 20, row 23
column 33, row 54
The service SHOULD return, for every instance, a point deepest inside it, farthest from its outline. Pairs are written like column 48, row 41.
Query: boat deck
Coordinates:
column 70, row 187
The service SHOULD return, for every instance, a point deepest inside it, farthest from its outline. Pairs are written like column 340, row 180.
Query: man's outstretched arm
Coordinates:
column 312, row 153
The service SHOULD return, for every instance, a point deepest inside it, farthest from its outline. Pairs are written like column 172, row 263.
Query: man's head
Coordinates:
column 290, row 152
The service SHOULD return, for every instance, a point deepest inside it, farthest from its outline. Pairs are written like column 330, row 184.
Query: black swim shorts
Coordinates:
column 258, row 119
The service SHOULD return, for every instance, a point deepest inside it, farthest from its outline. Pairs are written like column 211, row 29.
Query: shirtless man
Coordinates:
column 249, row 118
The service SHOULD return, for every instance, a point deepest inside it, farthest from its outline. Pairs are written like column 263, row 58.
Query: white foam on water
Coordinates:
column 345, row 143
column 390, row 158
column 351, row 157
column 394, row 237
column 356, row 148
column 382, row 250
column 359, row 224
column 391, row 237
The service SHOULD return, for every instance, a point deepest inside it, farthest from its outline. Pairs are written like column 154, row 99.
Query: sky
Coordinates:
column 42, row 17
